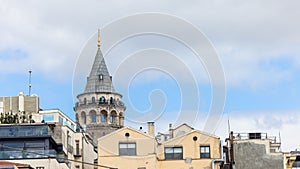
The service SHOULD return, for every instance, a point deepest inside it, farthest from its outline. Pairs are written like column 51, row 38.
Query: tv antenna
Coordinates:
column 29, row 85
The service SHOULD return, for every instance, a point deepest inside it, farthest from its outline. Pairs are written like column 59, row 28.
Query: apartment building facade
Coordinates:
column 137, row 149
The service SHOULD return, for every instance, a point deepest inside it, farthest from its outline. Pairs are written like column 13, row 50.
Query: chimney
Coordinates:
column 151, row 128
column 170, row 131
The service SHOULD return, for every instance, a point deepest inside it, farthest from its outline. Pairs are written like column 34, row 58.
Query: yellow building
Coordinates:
column 127, row 148
column 193, row 150
column 292, row 159
column 130, row 148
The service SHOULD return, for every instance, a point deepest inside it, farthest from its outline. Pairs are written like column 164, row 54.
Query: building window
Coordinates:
column 93, row 118
column 127, row 149
column 60, row 120
column 173, row 153
column 77, row 147
column 204, row 152
column 103, row 117
column 102, row 99
column 100, row 77
column 111, row 118
column 48, row 118
column 93, row 100
column 39, row 167
column 92, row 115
column 84, row 101
column 83, row 117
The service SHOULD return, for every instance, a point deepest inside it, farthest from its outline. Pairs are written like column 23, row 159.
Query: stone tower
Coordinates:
column 99, row 109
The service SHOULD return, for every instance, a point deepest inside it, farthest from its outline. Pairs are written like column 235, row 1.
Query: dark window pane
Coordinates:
column 173, row 153
column 204, row 151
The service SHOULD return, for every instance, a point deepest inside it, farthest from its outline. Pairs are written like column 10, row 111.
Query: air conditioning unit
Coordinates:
column 188, row 160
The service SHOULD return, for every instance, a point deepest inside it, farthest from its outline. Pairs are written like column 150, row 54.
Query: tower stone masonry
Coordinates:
column 99, row 109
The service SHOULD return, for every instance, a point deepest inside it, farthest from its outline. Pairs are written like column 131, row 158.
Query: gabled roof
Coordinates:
column 124, row 128
column 99, row 79
column 198, row 131
column 184, row 124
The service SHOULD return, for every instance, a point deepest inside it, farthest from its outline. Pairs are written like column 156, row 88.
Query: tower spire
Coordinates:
column 98, row 38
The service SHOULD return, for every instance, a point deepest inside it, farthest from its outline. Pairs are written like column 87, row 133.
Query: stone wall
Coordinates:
column 250, row 155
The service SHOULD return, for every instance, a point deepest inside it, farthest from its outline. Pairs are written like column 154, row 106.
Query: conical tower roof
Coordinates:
column 99, row 79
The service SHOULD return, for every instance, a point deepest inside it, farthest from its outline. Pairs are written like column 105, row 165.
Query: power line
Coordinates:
column 49, row 156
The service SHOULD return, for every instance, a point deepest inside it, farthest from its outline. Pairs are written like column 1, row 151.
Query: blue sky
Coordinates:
column 259, row 52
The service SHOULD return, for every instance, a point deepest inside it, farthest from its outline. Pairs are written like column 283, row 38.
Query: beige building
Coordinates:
column 193, row 149
column 190, row 148
column 292, row 159
column 77, row 145
column 18, row 109
column 20, row 103
column 127, row 148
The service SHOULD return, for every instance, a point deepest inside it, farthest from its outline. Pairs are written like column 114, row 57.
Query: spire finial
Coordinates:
column 98, row 38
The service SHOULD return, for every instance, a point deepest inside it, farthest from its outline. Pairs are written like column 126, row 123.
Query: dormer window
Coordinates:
column 101, row 77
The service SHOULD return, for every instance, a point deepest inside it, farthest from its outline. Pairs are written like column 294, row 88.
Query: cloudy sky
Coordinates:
column 257, row 44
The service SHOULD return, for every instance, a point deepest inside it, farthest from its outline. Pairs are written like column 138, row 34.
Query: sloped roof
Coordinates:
column 95, row 83
column 193, row 131
column 124, row 128
column 8, row 164
column 183, row 124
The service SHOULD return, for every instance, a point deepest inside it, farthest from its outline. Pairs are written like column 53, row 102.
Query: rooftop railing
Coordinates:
column 23, row 131
column 249, row 136
column 27, row 154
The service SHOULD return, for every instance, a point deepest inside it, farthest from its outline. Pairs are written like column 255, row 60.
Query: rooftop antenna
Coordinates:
column 29, row 85
column 228, row 125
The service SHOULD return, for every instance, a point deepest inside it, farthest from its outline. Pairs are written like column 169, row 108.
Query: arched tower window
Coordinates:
column 111, row 100
column 84, row 101
column 113, row 117
column 83, row 117
column 103, row 116
column 93, row 100
column 93, row 116
column 102, row 99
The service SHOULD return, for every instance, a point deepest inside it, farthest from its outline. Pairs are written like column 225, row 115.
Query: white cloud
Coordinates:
column 244, row 33
column 284, row 122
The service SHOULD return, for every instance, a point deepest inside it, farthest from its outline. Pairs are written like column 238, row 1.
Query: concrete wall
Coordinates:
column 29, row 104
column 249, row 155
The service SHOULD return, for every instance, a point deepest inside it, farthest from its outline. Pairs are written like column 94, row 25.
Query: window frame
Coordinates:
column 127, row 149
column 205, row 154
column 173, row 155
